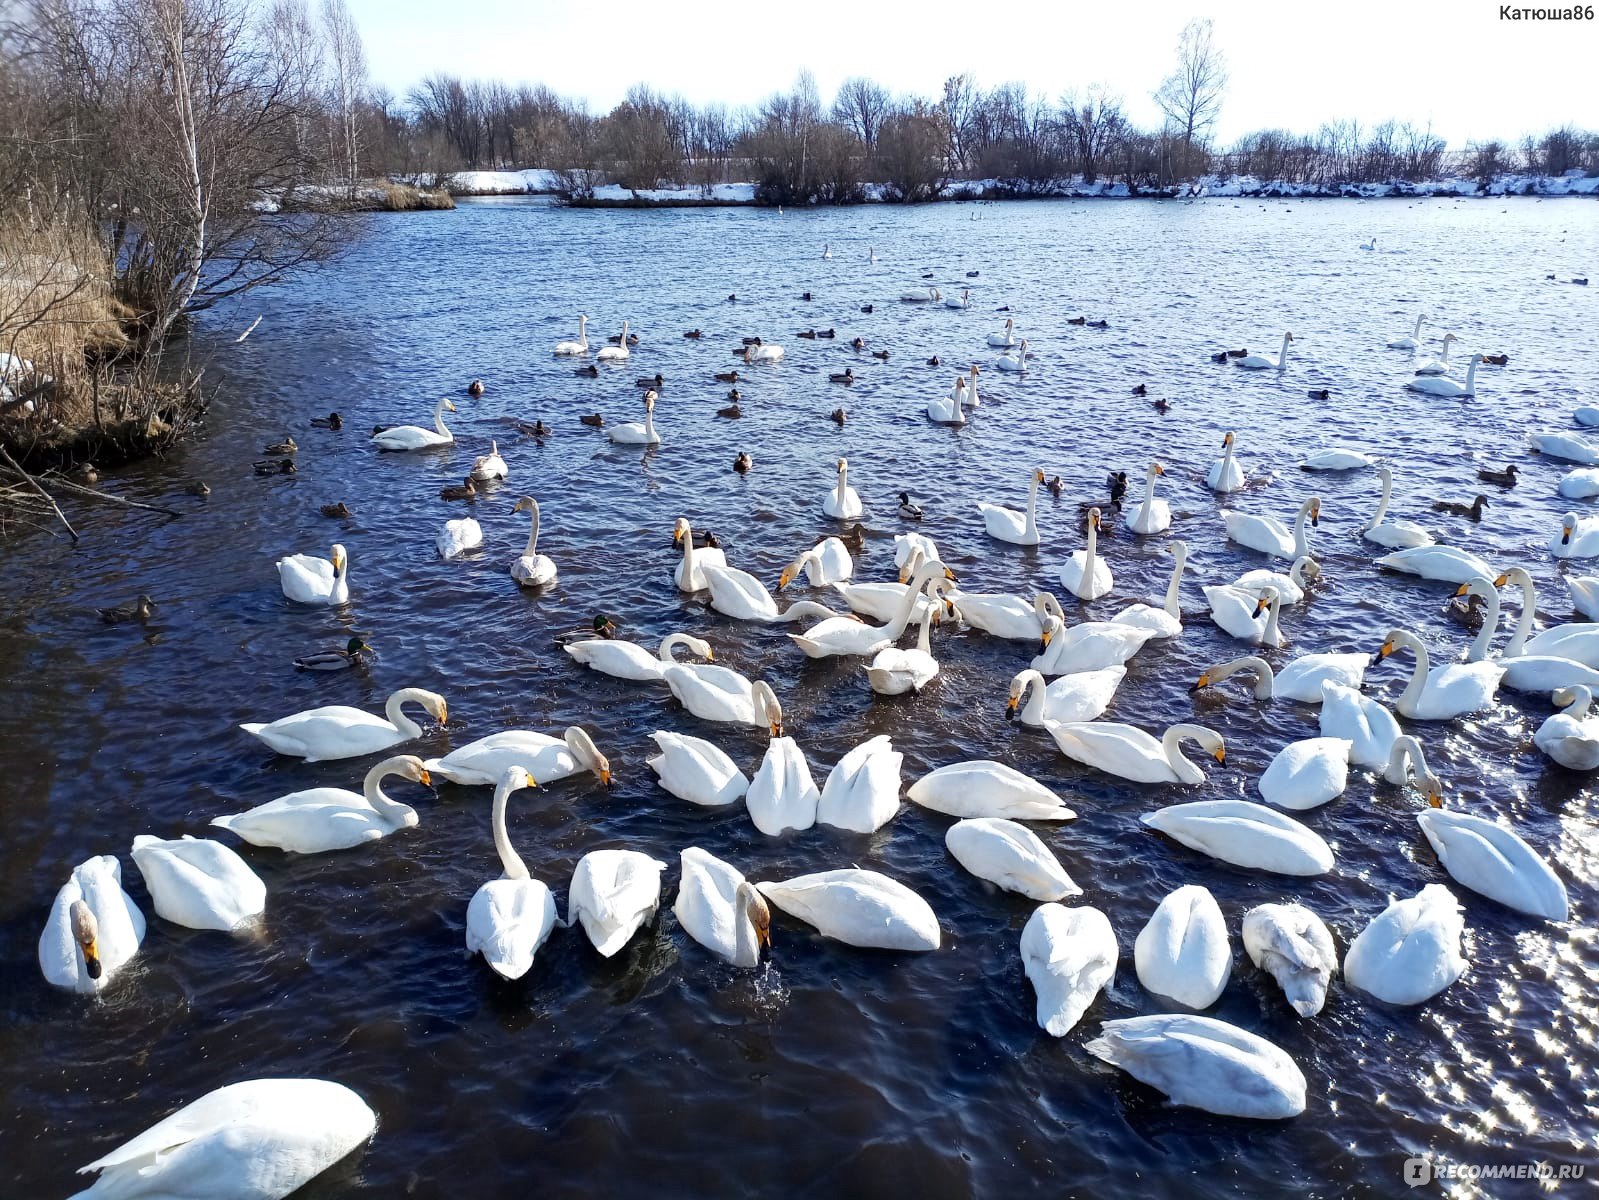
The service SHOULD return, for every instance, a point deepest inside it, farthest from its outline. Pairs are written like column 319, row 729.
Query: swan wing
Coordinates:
column 507, row 921
column 984, row 788
column 1411, row 950
column 613, row 893
column 1205, row 1063
column 858, row 907
column 1010, row 856
column 1245, row 834
column 1183, row 951
column 782, row 795
column 693, row 769
column 199, row 883
column 861, row 793
column 1117, row 749
column 1495, row 862
column 1307, row 773
column 739, row 594
column 1069, row 955
column 1295, row 947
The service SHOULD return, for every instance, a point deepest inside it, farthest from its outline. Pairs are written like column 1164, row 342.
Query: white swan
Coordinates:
column 690, row 573
column 1088, row 646
column 1245, row 834
column 1580, row 484
column 849, row 635
column 638, row 433
column 1578, row 537
column 1369, row 728
column 490, row 466
column 1085, row 574
column 862, row 790
column 328, row 818
column 509, row 918
column 1567, row 447
column 1007, row 615
column 1300, row 680
column 198, row 883
column 337, row 731
column 1371, row 245
column 964, row 301
column 827, row 249
column 1438, row 385
column 1083, row 696
column 1396, row 535
column 720, row 909
column 1205, row 1063
column 1291, row 587
column 1008, row 525
column 762, row 353
column 1439, row 365
column 613, row 893
column 782, row 795
column 628, row 660
column 1269, row 535
column 581, row 346
column 1166, row 621
column 458, row 537
column 1445, row 693
column 256, row 1140
column 1584, row 595
column 1494, row 861
column 1069, row 955
column 1183, row 953
column 415, row 437
column 693, row 769
column 1238, row 612
column 1129, row 753
column 825, row 563
column 881, row 600
column 859, row 908
column 1006, row 337
column 1016, row 361
column 1407, row 755
column 843, row 503
column 1225, row 474
column 307, row 579
column 984, row 788
column 740, row 595
column 1408, row 343
column 1294, row 946
column 94, row 928
column 1154, row 514
column 893, row 672
column 1306, row 774
column 1265, row 362
column 1577, row 641
column 618, row 352
column 713, row 693
column 950, row 409
column 1338, row 458
column 1571, row 738
column 929, row 295
column 532, row 569
column 1542, row 673
column 483, row 763
column 969, row 396
column 1010, row 856
column 1411, row 950
column 1445, row 563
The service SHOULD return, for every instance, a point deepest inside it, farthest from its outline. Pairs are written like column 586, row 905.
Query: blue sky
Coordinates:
column 1294, row 64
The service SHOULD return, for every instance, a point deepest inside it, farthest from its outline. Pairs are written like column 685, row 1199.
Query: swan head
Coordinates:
column 449, row 406
column 1288, row 337
column 760, row 916
column 1053, row 627
column 516, row 778
column 1157, row 468
column 1038, row 476
column 767, row 708
column 86, row 932
column 1018, row 685
column 341, row 563
column 1094, row 518
column 406, row 766
column 1568, row 526
column 433, row 704
column 526, row 504
column 649, row 400
column 842, row 465
column 682, row 529
column 1577, row 695
column 588, row 754
column 1179, row 550
column 790, row 572
column 1228, row 440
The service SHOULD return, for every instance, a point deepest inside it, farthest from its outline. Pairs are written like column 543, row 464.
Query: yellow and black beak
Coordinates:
column 1315, row 514
column 1159, row 470
column 1047, row 634
column 777, row 728
column 1202, row 682
column 1501, row 581
column 677, row 536
column 444, row 714
column 1383, row 652
column 782, row 580
column 1464, row 588
column 710, row 655
column 1565, row 535
column 1261, row 606
column 424, row 778
column 1435, row 798
column 1010, row 707
column 91, row 958
column 1221, row 755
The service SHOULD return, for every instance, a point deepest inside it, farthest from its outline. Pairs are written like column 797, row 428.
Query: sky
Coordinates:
column 1292, row 65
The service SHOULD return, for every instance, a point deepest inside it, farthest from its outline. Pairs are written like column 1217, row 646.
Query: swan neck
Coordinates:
column 394, row 710
column 670, row 642
column 533, row 533
column 1171, row 745
column 1032, row 506
column 1270, row 635
column 1172, row 588
column 1529, row 607
column 1490, row 626
column 1418, row 676
column 438, row 418
column 1282, row 359
column 391, row 810
column 1301, row 543
column 1033, row 688
column 515, row 868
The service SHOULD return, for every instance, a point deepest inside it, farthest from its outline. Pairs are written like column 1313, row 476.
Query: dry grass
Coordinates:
column 402, row 197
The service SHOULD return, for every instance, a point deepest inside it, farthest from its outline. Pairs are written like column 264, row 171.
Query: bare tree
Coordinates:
column 862, row 107
column 959, row 103
column 347, row 59
column 1093, row 123
column 1191, row 95
column 911, row 148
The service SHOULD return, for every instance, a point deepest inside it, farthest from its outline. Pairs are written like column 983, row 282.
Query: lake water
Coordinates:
column 831, row 1070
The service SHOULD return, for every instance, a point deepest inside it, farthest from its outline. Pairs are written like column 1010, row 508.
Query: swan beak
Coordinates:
column 1315, row 515
column 1435, row 797
column 777, row 728
column 1501, row 581
column 1261, row 606
column 1221, row 755
column 950, row 575
column 425, row 779
column 1045, row 638
column 782, row 580
column 1010, row 708
column 444, row 714
column 1464, row 588
column 763, row 934
column 91, row 958
column 1159, row 470
column 1565, row 535
column 1202, row 682
column 710, row 655
column 605, row 776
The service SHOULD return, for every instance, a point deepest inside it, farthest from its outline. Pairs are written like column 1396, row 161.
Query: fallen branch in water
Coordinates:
column 88, row 493
column 11, row 463
column 250, row 330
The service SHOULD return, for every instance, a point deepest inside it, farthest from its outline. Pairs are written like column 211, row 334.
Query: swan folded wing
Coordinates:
column 862, row 908
column 861, row 793
column 486, row 760
column 1069, row 955
column 695, row 770
column 1495, row 862
column 1205, row 1063
column 985, row 788
column 308, row 567
column 507, row 921
column 1245, row 834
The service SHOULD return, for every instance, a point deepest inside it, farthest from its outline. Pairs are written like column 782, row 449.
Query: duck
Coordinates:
column 140, row 610
column 1154, row 514
column 782, row 794
column 1069, row 956
column 1498, row 360
column 1396, row 535
column 458, row 537
column 538, row 429
column 880, row 355
column 1294, row 946
column 1008, row 525
column 827, row 333
column 859, row 908
column 475, row 388
column 282, row 466
column 340, row 511
column 415, row 437
column 1165, row 621
column 949, row 410
column 1319, row 394
column 613, row 892
column 581, row 346
column 466, row 490
column 1445, row 693
column 1245, row 834
column 1088, row 645
column 331, row 421
column 854, row 538
column 1472, row 511
column 727, row 377
column 1128, row 752
column 1408, row 342
column 336, row 659
column 199, row 883
column 1141, row 390
column 694, row 333
column 1084, row 574
column 618, row 352
column 490, row 466
column 638, row 433
column 1225, row 474
column 594, row 420
column 1238, row 611
column 696, row 770
column 286, row 446
column 1438, row 385
column 837, row 416
column 1162, row 406
column 690, row 573
column 846, row 376
column 509, row 918
column 1494, row 861
column 1504, row 478
column 731, row 411
column 1265, row 362
column 843, row 503
column 1056, row 486
column 1016, row 361
column 1445, row 563
column 1269, row 535
column 307, row 579
column 328, row 818
column 656, row 382
column 1077, row 320
column 984, row 788
column 1306, row 774
column 1439, row 365
column 859, row 343
column 337, row 731
column 1204, row 1063
column 1365, row 723
column 198, row 487
column 720, row 909
column 1083, row 696
column 935, row 361
column 861, row 793
column 1571, row 738
column 893, row 671
column 908, row 509
column 1411, row 950
column 743, row 463
column 1183, row 953
column 1101, row 323
column 1010, row 856
column 587, row 372
column 94, row 928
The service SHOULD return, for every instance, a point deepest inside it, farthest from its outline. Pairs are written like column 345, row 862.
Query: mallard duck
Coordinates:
column 882, row 355
column 1141, row 390
column 866, row 308
column 339, row 510
column 331, row 421
column 601, row 627
column 377, row 429
column 747, row 343
column 846, row 376
column 198, row 488
column 732, row 298
column 826, row 333
column 927, row 274
column 335, row 660
column 854, row 538
column 1219, row 357
column 467, row 490
column 86, row 473
column 1505, row 478
column 858, row 343
column 593, row 419
column 1469, row 610
column 475, row 388
column 727, row 377
column 139, row 610
column 1077, row 320
column 1319, row 394
column 731, row 410
column 743, row 463
column 616, row 339
column 1056, row 486
column 694, row 333
column 286, row 446
column 934, row 361
column 1099, row 324
column 536, row 430
column 908, row 510
column 657, row 382
column 1498, row 360
column 1161, row 406
column 1116, row 481
column 1455, row 508
column 809, row 334
column 589, row 372
column 282, row 466
column 836, row 416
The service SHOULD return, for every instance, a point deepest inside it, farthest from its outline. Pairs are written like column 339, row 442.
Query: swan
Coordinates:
column 1204, row 1063
column 720, row 909
column 1006, row 615
column 1494, row 861
column 827, row 249
column 1306, row 774
column 256, row 1140
column 1444, row 563
column 1586, row 416
column 843, row 503
column 1245, row 834
column 1438, row 385
column 1584, row 595
column 713, row 693
column 1577, row 641
column 618, row 352
column 1129, row 753
column 328, row 818
column 613, row 893
column 509, row 918
column 637, row 433
column 907, row 546
column 198, row 883
column 415, row 437
column 1300, row 680
column 984, row 788
column 825, row 563
column 337, row 731
column 859, row 908
column 1439, row 365
column 628, row 660
column 1225, row 474
column 1578, row 537
column 690, row 573
column 1238, row 612
column 693, row 769
column 762, row 353
column 922, row 296
column 1371, row 245
column 1154, row 514
column 1083, row 696
column 1411, row 950
column 782, row 795
column 969, row 396
column 1445, row 693
column 1005, row 338
column 1294, row 946
column 1338, row 458
column 1010, row 856
column 1396, row 535
column 862, row 790
column 1084, row 574
column 950, row 409
column 581, row 346
column 965, row 300
column 532, row 569
column 1166, row 621
column 1405, row 756
column 1541, row 673
column 1183, row 953
column 848, row 635
column 1016, row 361
column 1291, row 587
column 1069, row 955
column 881, row 600
column 1581, row 484
column 1265, row 362
column 1571, row 738
column 483, row 763
column 1408, row 343
column 459, row 537
column 1269, row 535
column 1008, row 525
column 1369, row 728
column 306, row 579
column 93, row 930
column 1567, row 447
column 490, row 466
column 740, row 595
column 1088, row 646
column 893, row 671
